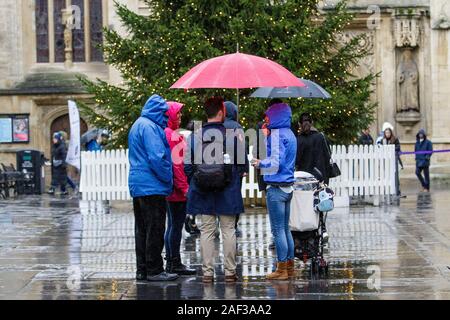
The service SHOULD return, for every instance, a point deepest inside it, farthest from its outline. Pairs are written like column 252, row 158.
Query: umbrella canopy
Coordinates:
column 237, row 71
column 310, row 90
column 89, row 136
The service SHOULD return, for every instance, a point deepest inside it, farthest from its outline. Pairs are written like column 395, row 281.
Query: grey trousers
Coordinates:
column 207, row 237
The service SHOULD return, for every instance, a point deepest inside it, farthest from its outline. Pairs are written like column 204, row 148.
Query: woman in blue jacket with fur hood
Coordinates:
column 278, row 170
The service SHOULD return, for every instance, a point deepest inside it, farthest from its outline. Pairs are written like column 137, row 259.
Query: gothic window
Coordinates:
column 86, row 35
column 95, row 12
column 58, row 6
column 42, row 48
column 78, row 34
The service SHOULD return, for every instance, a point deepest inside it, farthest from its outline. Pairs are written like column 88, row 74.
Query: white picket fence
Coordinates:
column 366, row 171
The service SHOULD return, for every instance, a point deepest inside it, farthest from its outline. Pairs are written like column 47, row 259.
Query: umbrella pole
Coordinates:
column 237, row 100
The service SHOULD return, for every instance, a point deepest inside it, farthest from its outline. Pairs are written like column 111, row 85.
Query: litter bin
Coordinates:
column 31, row 164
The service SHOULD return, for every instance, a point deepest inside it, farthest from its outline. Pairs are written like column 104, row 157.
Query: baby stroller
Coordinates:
column 309, row 207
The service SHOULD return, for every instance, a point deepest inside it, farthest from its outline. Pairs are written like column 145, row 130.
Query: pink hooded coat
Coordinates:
column 177, row 145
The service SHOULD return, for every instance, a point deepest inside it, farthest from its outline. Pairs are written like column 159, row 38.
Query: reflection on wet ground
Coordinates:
column 54, row 248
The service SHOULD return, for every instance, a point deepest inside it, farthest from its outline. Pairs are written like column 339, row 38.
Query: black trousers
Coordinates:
column 424, row 180
column 150, row 225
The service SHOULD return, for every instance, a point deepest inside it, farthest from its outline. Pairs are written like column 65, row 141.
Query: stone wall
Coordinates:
column 10, row 42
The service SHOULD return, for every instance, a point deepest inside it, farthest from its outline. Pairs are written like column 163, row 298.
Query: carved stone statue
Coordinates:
column 443, row 21
column 68, row 27
column 408, row 83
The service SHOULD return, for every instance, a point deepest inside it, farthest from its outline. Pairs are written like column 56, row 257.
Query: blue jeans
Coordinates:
column 279, row 207
column 176, row 217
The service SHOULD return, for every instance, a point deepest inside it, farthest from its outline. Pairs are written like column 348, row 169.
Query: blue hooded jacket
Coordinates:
column 231, row 117
column 149, row 151
column 279, row 166
column 231, row 123
column 423, row 160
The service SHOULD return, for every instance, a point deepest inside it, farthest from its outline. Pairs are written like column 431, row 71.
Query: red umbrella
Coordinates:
column 237, row 71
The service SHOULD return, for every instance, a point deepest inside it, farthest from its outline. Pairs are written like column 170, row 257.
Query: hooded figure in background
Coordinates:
column 313, row 150
column 176, row 202
column 231, row 123
column 150, row 182
column 59, row 166
column 423, row 160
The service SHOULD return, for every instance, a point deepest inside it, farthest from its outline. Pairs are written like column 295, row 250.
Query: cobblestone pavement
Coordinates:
column 61, row 248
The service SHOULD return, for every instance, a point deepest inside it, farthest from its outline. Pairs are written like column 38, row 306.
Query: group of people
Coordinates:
column 174, row 176
column 423, row 149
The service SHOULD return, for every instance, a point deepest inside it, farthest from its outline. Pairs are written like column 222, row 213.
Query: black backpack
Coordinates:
column 212, row 177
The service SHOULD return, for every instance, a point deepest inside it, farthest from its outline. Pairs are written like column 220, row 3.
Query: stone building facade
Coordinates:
column 410, row 42
column 43, row 50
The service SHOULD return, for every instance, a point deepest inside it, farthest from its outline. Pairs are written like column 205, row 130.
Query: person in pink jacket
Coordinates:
column 177, row 200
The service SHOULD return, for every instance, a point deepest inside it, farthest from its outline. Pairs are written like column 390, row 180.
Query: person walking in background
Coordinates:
column 313, row 150
column 388, row 139
column 423, row 159
column 70, row 182
column 278, row 169
column 98, row 143
column 176, row 202
column 150, row 182
column 59, row 166
column 214, row 189
column 365, row 138
column 231, row 123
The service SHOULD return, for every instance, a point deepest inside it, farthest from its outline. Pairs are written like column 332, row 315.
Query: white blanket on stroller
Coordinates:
column 303, row 216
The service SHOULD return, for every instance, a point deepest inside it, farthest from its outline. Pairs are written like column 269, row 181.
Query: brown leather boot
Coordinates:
column 290, row 266
column 279, row 274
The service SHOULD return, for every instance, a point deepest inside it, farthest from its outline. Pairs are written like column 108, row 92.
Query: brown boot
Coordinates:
column 291, row 269
column 279, row 274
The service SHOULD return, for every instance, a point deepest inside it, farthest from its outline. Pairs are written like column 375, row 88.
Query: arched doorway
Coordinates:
column 62, row 123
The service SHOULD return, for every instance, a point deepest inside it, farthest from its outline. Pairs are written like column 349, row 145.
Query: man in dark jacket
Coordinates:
column 225, row 202
column 241, row 151
column 150, row 182
column 425, row 148
column 365, row 138
column 59, row 166
column 313, row 150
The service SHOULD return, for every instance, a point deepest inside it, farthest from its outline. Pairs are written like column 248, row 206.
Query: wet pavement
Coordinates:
column 61, row 248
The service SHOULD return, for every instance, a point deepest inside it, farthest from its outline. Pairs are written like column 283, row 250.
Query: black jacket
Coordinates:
column 313, row 152
column 398, row 149
column 365, row 139
column 59, row 167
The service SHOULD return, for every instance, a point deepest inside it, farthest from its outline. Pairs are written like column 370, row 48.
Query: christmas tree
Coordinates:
column 177, row 35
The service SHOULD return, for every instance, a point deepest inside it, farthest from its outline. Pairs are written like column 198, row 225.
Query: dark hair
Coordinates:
column 306, row 116
column 213, row 106
column 392, row 138
column 275, row 101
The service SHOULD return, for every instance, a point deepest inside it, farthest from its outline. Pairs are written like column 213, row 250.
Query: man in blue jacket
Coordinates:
column 150, row 182
column 423, row 160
